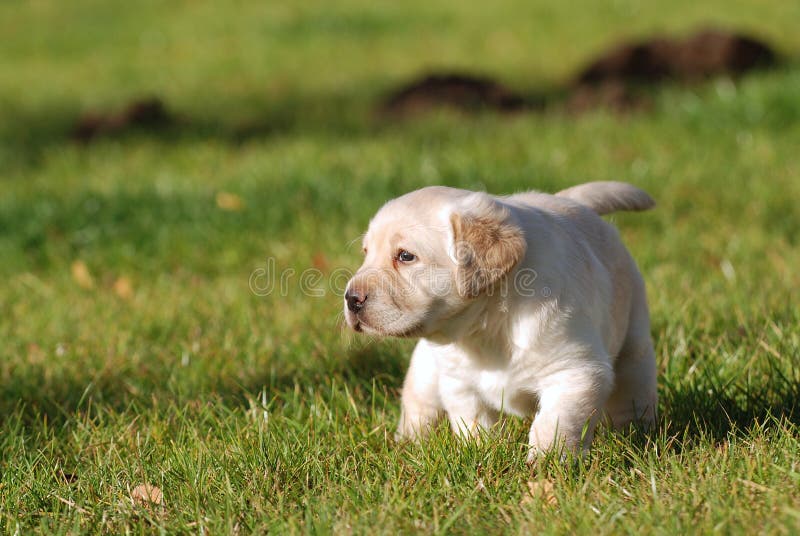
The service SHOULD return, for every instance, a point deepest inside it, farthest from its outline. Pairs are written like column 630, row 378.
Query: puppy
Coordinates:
column 526, row 304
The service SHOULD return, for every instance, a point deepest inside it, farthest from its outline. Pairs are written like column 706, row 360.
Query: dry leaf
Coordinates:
column 123, row 288
column 81, row 275
column 320, row 262
column 147, row 494
column 540, row 491
column 229, row 201
column 35, row 353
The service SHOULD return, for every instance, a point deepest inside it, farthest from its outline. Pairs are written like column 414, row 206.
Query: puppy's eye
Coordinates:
column 405, row 256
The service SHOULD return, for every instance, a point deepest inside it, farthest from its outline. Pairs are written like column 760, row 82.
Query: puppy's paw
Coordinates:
column 534, row 455
column 405, row 437
column 404, row 434
column 414, row 428
column 565, row 456
column 539, row 453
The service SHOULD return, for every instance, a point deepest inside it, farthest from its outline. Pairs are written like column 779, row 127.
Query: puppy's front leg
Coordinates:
column 421, row 405
column 570, row 402
column 468, row 415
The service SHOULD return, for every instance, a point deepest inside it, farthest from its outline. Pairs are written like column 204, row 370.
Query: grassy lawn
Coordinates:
column 133, row 351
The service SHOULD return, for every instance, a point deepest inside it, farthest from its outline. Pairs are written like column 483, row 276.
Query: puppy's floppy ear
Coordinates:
column 486, row 245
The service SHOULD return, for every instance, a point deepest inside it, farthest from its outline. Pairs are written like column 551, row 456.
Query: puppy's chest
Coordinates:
column 504, row 389
column 501, row 390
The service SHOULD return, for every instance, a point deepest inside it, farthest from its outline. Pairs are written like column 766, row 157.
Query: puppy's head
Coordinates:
column 427, row 256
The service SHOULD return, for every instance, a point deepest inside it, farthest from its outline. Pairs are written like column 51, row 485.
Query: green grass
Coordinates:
column 257, row 413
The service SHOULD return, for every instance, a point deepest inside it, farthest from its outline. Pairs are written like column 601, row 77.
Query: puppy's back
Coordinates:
column 571, row 238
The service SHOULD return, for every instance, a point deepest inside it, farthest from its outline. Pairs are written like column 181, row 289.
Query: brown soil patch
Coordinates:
column 457, row 91
column 611, row 95
column 618, row 79
column 709, row 52
column 149, row 113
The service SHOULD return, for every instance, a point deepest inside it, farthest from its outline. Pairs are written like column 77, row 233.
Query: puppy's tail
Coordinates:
column 605, row 197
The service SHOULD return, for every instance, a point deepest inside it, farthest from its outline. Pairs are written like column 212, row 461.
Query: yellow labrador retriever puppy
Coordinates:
column 526, row 304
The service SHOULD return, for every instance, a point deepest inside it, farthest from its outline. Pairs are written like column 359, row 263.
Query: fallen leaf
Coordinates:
column 229, row 201
column 35, row 353
column 320, row 262
column 123, row 288
column 81, row 275
column 540, row 491
column 147, row 494
column 754, row 485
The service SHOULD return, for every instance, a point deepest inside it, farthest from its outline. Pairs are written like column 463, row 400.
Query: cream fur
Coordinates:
column 570, row 345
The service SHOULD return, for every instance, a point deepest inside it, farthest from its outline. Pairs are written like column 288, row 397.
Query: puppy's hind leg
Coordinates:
column 421, row 405
column 634, row 399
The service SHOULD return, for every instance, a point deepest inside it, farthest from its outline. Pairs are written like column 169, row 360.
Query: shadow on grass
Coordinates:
column 707, row 409
column 28, row 133
column 39, row 395
column 714, row 407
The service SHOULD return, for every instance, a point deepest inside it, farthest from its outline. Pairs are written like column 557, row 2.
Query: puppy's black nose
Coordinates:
column 355, row 300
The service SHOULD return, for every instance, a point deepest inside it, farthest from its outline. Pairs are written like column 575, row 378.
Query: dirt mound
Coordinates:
column 147, row 113
column 709, row 52
column 452, row 90
column 611, row 95
column 616, row 80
